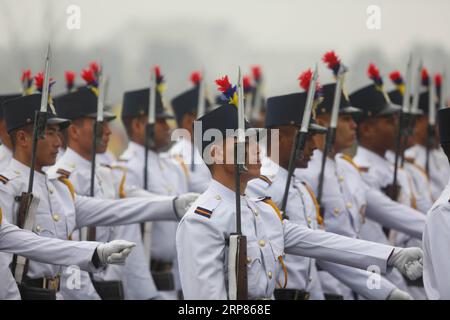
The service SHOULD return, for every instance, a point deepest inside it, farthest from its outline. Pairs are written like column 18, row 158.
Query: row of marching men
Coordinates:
column 353, row 200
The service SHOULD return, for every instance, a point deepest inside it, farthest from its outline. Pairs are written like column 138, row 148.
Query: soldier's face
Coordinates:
column 252, row 158
column 345, row 132
column 162, row 133
column 47, row 148
column 420, row 129
column 310, row 146
column 82, row 133
column 381, row 132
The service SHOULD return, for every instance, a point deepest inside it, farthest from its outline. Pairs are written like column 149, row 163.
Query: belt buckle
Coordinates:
column 52, row 283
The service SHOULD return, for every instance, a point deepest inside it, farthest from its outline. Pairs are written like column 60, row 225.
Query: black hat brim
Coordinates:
column 315, row 128
column 63, row 123
column 164, row 115
column 389, row 109
column 108, row 116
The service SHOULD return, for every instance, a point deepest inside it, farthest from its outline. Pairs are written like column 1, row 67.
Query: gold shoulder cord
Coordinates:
column 280, row 258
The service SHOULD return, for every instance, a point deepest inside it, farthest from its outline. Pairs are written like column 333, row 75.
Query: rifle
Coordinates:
column 98, row 133
column 431, row 124
column 40, row 121
column 200, row 112
column 300, row 140
column 404, row 120
column 331, row 133
column 237, row 271
column 149, row 141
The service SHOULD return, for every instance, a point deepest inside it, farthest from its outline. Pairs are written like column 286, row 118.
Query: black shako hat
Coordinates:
column 135, row 103
column 443, row 116
column 222, row 119
column 80, row 103
column 373, row 102
column 187, row 102
column 6, row 97
column 21, row 111
column 288, row 110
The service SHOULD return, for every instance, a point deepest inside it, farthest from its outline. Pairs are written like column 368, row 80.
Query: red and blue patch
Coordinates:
column 203, row 212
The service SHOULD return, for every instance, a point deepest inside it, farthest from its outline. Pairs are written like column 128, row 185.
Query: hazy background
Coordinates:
column 283, row 36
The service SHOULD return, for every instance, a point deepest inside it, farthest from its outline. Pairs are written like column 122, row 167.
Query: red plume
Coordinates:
column 332, row 60
column 157, row 71
column 223, row 84
column 70, row 79
column 256, row 72
column 196, row 77
column 26, row 75
column 425, row 77
column 396, row 77
column 247, row 83
column 94, row 67
column 88, row 76
column 438, row 79
column 374, row 74
column 39, row 81
column 305, row 79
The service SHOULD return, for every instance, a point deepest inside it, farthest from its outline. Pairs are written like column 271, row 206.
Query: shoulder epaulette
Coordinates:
column 4, row 179
column 64, row 173
column 349, row 159
column 265, row 179
column 206, row 209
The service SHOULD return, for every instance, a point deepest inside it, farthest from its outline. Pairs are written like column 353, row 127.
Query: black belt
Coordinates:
column 162, row 275
column 109, row 290
column 43, row 283
column 414, row 283
column 332, row 296
column 160, row 265
column 291, row 294
column 39, row 289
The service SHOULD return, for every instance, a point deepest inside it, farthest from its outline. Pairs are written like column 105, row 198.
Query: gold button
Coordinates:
column 17, row 172
column 336, row 210
column 249, row 260
column 72, row 165
column 309, row 220
column 349, row 205
column 341, row 178
column 262, row 243
column 51, row 191
column 218, row 197
column 56, row 217
column 38, row 228
column 255, row 212
column 310, row 279
column 269, row 274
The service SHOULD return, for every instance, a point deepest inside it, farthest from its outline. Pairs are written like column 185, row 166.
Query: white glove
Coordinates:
column 408, row 261
column 114, row 252
column 398, row 294
column 182, row 203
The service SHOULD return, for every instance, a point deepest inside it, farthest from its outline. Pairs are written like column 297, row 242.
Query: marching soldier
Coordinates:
column 5, row 157
column 345, row 199
column 436, row 234
column 439, row 171
column 56, row 211
column 203, row 232
column 283, row 114
column 81, row 108
column 166, row 176
column 376, row 135
column 186, row 108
